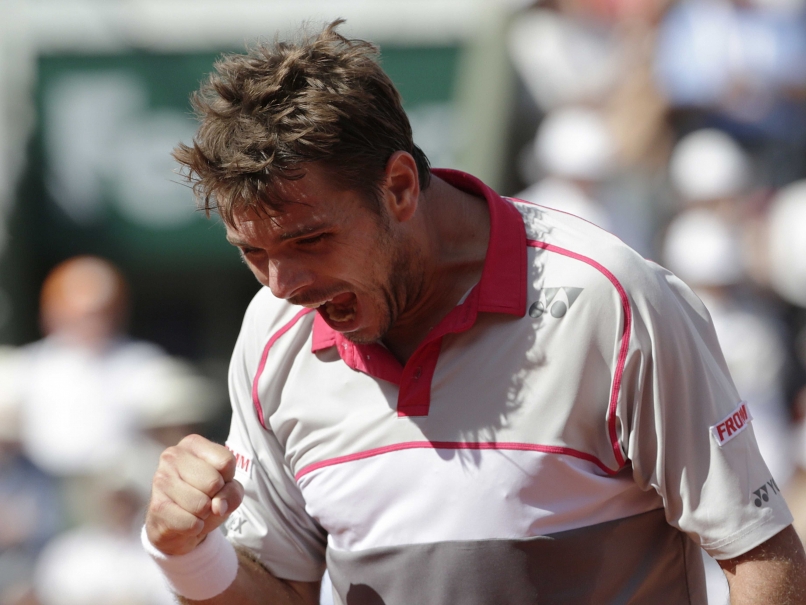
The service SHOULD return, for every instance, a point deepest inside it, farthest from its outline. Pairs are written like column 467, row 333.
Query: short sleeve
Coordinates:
column 685, row 430
column 271, row 522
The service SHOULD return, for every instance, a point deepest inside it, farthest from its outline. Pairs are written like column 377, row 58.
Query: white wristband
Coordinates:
column 204, row 572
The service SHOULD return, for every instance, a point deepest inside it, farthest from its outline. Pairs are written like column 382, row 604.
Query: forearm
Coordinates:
column 255, row 585
column 773, row 573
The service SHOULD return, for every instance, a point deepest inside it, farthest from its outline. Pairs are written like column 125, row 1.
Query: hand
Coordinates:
column 192, row 494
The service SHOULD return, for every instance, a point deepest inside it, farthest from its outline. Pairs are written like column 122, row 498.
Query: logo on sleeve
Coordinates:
column 243, row 464
column 733, row 424
column 763, row 493
column 235, row 523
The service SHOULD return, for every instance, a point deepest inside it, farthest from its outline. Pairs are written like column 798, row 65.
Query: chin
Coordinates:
column 364, row 337
column 368, row 333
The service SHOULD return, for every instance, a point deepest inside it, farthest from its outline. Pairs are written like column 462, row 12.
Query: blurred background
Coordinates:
column 678, row 125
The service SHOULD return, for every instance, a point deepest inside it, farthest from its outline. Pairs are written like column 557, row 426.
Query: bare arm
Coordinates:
column 773, row 573
column 193, row 493
column 255, row 585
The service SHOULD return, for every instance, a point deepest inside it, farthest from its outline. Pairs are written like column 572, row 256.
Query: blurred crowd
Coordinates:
column 680, row 126
column 84, row 415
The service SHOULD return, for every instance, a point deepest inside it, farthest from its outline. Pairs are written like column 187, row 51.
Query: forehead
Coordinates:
column 252, row 224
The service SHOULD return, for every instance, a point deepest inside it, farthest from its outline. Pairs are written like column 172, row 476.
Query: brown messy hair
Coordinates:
column 267, row 113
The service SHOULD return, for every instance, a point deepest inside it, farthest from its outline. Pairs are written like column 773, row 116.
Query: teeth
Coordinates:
column 338, row 315
column 334, row 312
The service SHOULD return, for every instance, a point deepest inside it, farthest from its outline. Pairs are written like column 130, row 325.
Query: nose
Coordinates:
column 287, row 278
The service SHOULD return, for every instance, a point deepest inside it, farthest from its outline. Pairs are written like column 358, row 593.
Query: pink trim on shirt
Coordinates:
column 372, row 359
column 502, row 289
column 262, row 365
column 625, row 339
column 456, row 445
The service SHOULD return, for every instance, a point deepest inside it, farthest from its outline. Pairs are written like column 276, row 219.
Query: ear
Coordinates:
column 401, row 190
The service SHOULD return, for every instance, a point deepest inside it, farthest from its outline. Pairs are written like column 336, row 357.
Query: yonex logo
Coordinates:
column 763, row 493
column 556, row 301
column 235, row 523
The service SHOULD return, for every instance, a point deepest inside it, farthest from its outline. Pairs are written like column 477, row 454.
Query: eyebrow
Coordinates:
column 236, row 242
column 301, row 232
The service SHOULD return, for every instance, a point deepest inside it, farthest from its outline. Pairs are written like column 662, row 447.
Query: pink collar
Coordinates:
column 502, row 288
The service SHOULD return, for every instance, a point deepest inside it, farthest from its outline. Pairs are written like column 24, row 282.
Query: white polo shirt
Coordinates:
column 550, row 439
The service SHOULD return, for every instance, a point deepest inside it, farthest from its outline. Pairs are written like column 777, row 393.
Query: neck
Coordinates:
column 450, row 244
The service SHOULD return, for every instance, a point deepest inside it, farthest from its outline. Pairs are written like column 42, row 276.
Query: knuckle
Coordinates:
column 162, row 481
column 193, row 440
column 201, row 506
column 213, row 484
column 168, row 457
column 227, row 461
column 226, row 456
column 158, row 509
column 188, row 524
column 165, row 524
column 161, row 475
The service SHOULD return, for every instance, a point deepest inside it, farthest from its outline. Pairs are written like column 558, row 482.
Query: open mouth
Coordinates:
column 338, row 309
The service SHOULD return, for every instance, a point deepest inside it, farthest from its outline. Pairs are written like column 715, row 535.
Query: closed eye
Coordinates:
column 245, row 252
column 314, row 239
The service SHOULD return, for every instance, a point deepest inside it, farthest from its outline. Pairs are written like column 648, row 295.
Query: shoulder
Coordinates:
column 585, row 250
column 570, row 249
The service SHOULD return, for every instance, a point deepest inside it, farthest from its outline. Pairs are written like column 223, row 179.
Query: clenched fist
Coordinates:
column 192, row 494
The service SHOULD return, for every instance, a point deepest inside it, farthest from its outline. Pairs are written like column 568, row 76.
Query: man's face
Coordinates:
column 327, row 249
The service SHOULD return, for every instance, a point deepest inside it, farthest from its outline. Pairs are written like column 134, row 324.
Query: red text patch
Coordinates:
column 732, row 425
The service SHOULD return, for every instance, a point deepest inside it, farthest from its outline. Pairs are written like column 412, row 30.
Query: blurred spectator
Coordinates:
column 563, row 59
column 575, row 152
column 598, row 54
column 740, row 66
column 708, row 167
column 78, row 391
column 30, row 511
column 786, row 237
column 103, row 560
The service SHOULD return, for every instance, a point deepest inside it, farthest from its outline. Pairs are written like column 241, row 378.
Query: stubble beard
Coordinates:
column 392, row 293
